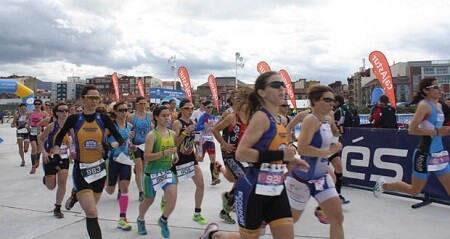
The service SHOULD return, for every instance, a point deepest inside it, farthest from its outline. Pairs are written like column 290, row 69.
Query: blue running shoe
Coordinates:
column 141, row 227
column 164, row 228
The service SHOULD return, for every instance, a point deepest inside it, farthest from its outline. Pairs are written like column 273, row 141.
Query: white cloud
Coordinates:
column 323, row 40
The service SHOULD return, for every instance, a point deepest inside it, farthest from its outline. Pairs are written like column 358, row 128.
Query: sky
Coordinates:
column 325, row 40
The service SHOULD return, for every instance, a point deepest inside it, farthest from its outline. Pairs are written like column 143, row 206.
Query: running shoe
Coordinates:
column 199, row 219
column 71, row 200
column 343, row 200
column 322, row 217
column 141, row 196
column 33, row 170
column 378, row 188
column 162, row 205
column 57, row 213
column 262, row 231
column 215, row 181
column 212, row 227
column 22, row 164
column 164, row 228
column 227, row 203
column 141, row 227
column 123, row 224
column 226, row 217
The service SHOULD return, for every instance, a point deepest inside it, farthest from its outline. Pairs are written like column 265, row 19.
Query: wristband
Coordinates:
column 183, row 133
column 268, row 156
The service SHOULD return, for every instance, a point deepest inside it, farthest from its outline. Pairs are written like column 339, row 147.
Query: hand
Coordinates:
column 289, row 153
column 45, row 158
column 189, row 129
column 335, row 147
column 170, row 151
column 228, row 147
column 132, row 147
column 114, row 144
column 175, row 158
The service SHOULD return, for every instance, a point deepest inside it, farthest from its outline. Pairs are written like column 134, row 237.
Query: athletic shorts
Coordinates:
column 208, row 146
column 338, row 154
column 117, row 171
column 24, row 136
column 33, row 138
column 182, row 159
column 419, row 166
column 299, row 191
column 139, row 154
column 149, row 190
column 253, row 209
column 80, row 184
column 50, row 167
column 235, row 167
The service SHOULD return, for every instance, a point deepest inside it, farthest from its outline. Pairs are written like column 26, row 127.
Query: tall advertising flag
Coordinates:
column 289, row 88
column 262, row 67
column 383, row 73
column 214, row 93
column 115, row 81
column 140, row 84
column 185, row 81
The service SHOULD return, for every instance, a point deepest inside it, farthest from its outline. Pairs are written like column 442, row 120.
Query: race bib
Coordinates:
column 270, row 179
column 186, row 171
column 124, row 159
column 438, row 161
column 34, row 131
column 64, row 152
column 92, row 172
column 22, row 131
column 208, row 138
column 159, row 180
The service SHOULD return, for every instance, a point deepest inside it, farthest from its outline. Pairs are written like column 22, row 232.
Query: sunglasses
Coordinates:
column 63, row 110
column 328, row 100
column 37, row 104
column 284, row 105
column 92, row 97
column 79, row 110
column 122, row 110
column 436, row 87
column 187, row 108
column 209, row 107
column 276, row 84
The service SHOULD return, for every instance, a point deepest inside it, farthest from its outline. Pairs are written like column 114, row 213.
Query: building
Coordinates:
column 224, row 86
column 128, row 86
column 69, row 90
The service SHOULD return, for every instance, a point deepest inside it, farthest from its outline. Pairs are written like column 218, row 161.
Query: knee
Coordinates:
column 337, row 218
column 91, row 212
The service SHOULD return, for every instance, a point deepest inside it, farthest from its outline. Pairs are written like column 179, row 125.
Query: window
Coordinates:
column 428, row 70
column 442, row 70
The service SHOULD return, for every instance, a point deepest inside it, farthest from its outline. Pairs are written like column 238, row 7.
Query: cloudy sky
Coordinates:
column 324, row 40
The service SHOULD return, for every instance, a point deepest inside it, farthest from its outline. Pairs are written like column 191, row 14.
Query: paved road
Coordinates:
column 26, row 210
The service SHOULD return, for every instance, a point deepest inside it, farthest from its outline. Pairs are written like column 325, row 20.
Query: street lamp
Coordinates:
column 173, row 66
column 239, row 62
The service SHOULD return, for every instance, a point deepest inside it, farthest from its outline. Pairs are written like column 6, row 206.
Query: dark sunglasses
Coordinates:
column 63, row 110
column 328, row 99
column 276, row 84
column 37, row 104
column 187, row 108
column 284, row 105
column 436, row 87
column 122, row 110
column 92, row 97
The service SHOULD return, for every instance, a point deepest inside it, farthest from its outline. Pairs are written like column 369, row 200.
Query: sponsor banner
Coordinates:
column 185, row 81
column 214, row 93
column 367, row 155
column 140, row 84
column 289, row 88
column 160, row 93
column 115, row 81
column 383, row 73
column 262, row 67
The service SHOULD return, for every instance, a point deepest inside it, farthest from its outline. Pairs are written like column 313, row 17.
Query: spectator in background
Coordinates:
column 2, row 115
column 382, row 114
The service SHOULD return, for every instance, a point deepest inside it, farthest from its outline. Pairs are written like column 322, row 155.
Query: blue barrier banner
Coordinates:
column 8, row 86
column 369, row 153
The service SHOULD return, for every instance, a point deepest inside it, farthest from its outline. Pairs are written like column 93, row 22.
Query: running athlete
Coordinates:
column 232, row 127
column 142, row 124
column 315, row 144
column 22, row 122
column 430, row 155
column 159, row 155
column 89, row 170
column 187, row 166
column 55, row 168
column 35, row 116
column 260, row 195
column 119, row 163
column 204, row 125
